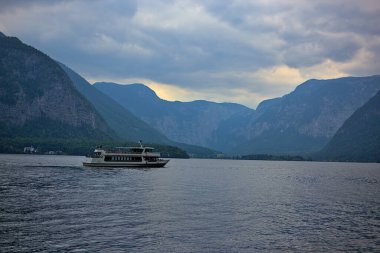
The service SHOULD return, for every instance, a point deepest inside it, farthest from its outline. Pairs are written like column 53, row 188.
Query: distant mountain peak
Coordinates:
column 142, row 88
column 126, row 125
column 139, row 89
column 305, row 119
column 2, row 35
column 195, row 122
column 267, row 103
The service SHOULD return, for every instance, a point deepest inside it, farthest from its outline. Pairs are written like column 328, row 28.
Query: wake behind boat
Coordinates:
column 125, row 157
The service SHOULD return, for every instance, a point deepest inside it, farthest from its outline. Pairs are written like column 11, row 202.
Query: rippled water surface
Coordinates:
column 53, row 204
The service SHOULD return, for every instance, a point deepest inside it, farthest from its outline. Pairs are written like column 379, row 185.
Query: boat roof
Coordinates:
column 134, row 147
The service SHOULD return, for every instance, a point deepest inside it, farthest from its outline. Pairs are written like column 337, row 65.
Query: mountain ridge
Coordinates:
column 123, row 123
column 300, row 122
column 304, row 120
column 186, row 122
column 126, row 124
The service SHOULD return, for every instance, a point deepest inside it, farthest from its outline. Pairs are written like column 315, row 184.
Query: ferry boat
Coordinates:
column 125, row 157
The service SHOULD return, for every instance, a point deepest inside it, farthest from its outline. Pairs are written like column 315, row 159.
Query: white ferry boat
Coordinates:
column 125, row 157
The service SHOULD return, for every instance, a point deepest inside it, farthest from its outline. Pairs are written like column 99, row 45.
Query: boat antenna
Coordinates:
column 140, row 142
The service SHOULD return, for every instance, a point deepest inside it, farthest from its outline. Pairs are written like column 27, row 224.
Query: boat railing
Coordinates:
column 123, row 151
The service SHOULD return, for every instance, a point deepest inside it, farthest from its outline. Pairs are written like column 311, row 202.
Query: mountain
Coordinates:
column 300, row 122
column 121, row 121
column 196, row 122
column 306, row 119
column 38, row 99
column 359, row 137
column 124, row 123
column 43, row 100
column 46, row 104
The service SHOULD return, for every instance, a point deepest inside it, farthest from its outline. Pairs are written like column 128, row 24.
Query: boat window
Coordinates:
column 96, row 154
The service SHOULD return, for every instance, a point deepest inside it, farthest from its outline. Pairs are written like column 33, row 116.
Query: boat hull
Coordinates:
column 161, row 163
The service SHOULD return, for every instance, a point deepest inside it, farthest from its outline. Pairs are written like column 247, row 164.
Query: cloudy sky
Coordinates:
column 235, row 50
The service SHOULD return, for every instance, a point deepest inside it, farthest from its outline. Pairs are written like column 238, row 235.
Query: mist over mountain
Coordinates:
column 38, row 99
column 196, row 122
column 359, row 137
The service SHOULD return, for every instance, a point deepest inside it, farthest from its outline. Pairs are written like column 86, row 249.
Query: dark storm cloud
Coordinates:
column 314, row 31
column 308, row 50
column 345, row 16
column 263, row 47
column 9, row 5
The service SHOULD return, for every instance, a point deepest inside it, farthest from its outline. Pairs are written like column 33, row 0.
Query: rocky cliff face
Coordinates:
column 33, row 86
column 304, row 120
column 194, row 122
column 359, row 137
column 197, row 122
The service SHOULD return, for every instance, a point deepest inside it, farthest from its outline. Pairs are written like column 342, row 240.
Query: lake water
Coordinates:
column 53, row 204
